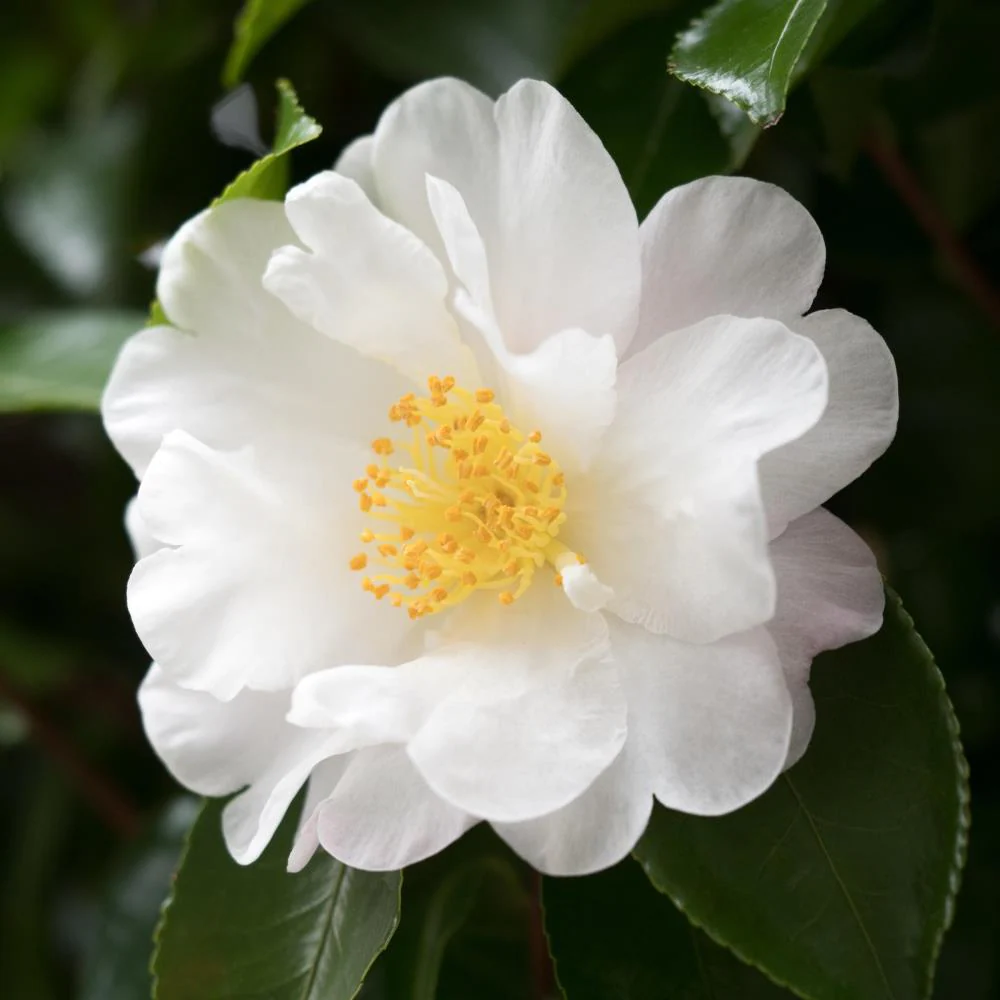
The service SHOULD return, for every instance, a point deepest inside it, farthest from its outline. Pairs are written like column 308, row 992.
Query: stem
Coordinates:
column 106, row 800
column 542, row 973
column 932, row 220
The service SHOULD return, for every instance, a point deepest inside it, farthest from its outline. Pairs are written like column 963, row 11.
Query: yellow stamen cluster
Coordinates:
column 473, row 503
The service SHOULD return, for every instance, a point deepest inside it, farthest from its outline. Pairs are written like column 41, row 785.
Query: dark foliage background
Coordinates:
column 893, row 142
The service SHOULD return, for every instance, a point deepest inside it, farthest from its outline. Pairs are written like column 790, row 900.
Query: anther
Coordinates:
column 485, row 395
column 360, row 485
column 360, row 561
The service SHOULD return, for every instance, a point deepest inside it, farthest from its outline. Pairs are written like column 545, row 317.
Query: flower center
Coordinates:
column 475, row 504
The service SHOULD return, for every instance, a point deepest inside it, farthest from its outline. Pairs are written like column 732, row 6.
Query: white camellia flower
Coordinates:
column 465, row 497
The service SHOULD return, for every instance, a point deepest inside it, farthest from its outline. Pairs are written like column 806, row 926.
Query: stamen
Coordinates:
column 490, row 499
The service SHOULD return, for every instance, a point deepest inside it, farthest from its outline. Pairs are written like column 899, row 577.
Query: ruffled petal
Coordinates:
column 566, row 385
column 595, row 831
column 243, row 370
column 217, row 747
column 857, row 426
column 511, row 714
column 355, row 161
column 367, row 282
column 709, row 725
column 559, row 228
column 381, row 815
column 253, row 588
column 829, row 594
column 672, row 518
column 538, row 713
column 726, row 245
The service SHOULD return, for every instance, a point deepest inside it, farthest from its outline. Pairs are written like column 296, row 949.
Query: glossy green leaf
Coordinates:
column 465, row 926
column 60, row 361
column 841, row 879
column 232, row 933
column 613, row 935
column 256, row 23
column 747, row 51
column 118, row 963
column 268, row 177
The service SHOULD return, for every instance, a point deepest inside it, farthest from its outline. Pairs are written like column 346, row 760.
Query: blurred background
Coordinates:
column 891, row 138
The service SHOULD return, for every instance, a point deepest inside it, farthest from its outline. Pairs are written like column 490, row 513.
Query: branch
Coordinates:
column 106, row 800
column 932, row 220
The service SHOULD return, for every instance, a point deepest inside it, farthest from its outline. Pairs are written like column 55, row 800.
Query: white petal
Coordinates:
column 142, row 541
column 254, row 589
column 857, row 425
column 708, row 725
column 565, row 386
column 593, row 832
column 217, row 747
column 726, row 245
column 367, row 282
column 244, row 370
column 322, row 781
column 829, row 594
column 356, row 162
column 559, row 228
column 381, row 816
column 537, row 715
column 671, row 518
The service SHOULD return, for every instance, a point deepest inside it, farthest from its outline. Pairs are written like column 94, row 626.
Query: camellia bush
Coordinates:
column 499, row 641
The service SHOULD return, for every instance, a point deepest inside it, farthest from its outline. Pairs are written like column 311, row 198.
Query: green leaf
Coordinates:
column 117, row 965
column 257, row 22
column 268, row 177
column 66, row 198
column 659, row 132
column 840, row 881
column 229, row 933
column 490, row 43
column 464, row 933
column 613, row 935
column 61, row 360
column 747, row 51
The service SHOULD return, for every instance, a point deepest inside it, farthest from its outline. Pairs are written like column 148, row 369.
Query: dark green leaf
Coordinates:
column 464, row 932
column 268, row 177
column 659, row 132
column 747, row 51
column 840, row 880
column 229, row 933
column 257, row 22
column 60, row 361
column 66, row 199
column 613, row 936
column 490, row 43
column 118, row 964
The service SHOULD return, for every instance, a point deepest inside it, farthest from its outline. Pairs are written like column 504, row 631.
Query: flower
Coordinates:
column 465, row 497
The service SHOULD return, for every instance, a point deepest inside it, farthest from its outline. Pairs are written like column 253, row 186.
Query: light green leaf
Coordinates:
column 117, row 965
column 257, row 22
column 61, row 360
column 268, row 177
column 234, row 933
column 747, row 51
column 613, row 935
column 841, row 879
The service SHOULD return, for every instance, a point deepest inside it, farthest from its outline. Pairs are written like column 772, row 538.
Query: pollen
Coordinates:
column 473, row 503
